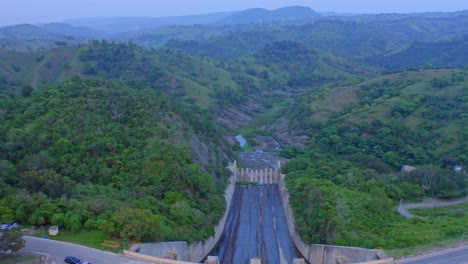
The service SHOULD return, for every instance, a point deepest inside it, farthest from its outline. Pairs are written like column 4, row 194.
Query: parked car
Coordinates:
column 6, row 226
column 73, row 260
column 87, row 262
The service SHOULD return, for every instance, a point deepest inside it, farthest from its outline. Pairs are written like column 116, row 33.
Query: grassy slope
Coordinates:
column 333, row 100
column 38, row 68
column 198, row 77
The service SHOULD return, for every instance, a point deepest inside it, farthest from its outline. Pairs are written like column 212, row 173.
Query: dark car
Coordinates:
column 72, row 260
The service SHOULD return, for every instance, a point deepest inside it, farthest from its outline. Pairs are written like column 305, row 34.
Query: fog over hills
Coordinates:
column 127, row 24
column 260, row 15
column 254, row 15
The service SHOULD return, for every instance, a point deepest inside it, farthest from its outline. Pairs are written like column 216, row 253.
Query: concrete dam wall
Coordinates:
column 198, row 250
column 259, row 222
column 326, row 254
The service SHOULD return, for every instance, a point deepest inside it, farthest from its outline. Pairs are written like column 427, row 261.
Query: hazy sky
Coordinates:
column 40, row 11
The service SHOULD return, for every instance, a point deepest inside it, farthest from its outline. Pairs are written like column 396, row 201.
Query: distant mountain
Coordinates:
column 353, row 38
column 69, row 30
column 258, row 15
column 25, row 32
column 26, row 37
column 115, row 25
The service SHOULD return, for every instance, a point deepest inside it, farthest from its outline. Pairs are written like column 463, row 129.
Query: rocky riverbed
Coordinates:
column 259, row 158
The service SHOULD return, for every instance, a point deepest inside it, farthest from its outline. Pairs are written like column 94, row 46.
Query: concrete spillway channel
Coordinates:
column 256, row 227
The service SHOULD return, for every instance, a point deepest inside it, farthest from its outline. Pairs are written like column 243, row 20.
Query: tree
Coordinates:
column 61, row 43
column 11, row 241
column 138, row 224
column 48, row 182
column 26, row 90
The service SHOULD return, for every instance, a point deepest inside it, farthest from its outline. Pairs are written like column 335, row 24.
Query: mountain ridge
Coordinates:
column 261, row 15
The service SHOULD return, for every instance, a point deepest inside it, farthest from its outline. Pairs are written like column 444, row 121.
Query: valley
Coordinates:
column 128, row 131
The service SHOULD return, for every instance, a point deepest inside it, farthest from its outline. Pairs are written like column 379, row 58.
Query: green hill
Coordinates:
column 354, row 37
column 260, row 15
column 345, row 179
column 406, row 118
column 95, row 154
column 173, row 72
column 453, row 54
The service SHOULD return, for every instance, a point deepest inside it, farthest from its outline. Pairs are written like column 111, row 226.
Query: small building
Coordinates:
column 212, row 260
column 53, row 230
column 255, row 261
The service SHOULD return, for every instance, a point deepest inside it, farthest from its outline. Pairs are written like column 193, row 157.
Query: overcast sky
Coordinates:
column 41, row 11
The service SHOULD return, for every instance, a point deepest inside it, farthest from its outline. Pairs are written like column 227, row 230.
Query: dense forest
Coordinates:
column 106, row 155
column 131, row 133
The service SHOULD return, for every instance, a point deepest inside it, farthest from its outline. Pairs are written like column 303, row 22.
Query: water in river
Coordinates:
column 242, row 141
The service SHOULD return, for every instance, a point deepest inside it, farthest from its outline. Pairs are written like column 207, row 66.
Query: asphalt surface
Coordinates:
column 428, row 203
column 56, row 251
column 256, row 227
column 451, row 256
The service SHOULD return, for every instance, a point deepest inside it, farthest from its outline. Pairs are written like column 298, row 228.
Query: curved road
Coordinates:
column 458, row 255
column 56, row 252
column 428, row 203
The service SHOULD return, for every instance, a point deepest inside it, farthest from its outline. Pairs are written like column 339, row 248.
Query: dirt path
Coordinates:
column 428, row 203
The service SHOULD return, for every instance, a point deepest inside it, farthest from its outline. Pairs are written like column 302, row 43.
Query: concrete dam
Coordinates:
column 258, row 227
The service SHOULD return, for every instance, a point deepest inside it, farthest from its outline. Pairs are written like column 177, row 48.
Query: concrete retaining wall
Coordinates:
column 198, row 250
column 314, row 253
column 152, row 259
column 323, row 254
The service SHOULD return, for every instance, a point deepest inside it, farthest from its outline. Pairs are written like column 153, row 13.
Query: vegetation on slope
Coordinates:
column 102, row 155
column 343, row 202
column 136, row 147
column 354, row 37
column 368, row 131
column 407, row 118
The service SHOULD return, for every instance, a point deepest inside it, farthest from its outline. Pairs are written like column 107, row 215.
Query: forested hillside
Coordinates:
column 104, row 155
column 368, row 132
column 441, row 54
column 406, row 118
column 351, row 37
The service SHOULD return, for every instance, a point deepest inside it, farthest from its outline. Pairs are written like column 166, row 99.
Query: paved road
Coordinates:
column 428, row 203
column 57, row 251
column 450, row 256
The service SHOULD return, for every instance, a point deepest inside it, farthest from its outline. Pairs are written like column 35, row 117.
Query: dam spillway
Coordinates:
column 259, row 223
column 256, row 226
